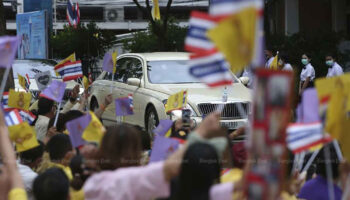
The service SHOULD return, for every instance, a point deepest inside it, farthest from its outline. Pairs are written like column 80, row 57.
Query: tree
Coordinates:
column 87, row 41
column 147, row 41
column 158, row 27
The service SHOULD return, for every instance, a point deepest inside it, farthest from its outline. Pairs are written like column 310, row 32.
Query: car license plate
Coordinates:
column 230, row 125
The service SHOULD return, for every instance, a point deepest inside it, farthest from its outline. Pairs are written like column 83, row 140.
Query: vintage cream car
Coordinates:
column 152, row 78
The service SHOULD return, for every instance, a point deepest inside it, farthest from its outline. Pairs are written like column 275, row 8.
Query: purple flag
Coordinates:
column 55, row 91
column 76, row 128
column 163, row 127
column 8, row 49
column 108, row 63
column 124, row 106
column 310, row 106
column 162, row 148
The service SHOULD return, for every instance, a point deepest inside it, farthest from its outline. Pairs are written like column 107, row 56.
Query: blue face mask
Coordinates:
column 329, row 63
column 305, row 61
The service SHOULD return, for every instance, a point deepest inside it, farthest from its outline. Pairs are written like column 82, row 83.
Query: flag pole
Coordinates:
column 309, row 162
column 338, row 150
column 329, row 173
column 3, row 82
column 57, row 113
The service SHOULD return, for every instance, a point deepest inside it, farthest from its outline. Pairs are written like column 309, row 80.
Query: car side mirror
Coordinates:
column 134, row 82
column 244, row 80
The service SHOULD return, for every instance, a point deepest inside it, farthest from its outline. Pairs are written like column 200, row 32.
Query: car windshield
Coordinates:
column 170, row 72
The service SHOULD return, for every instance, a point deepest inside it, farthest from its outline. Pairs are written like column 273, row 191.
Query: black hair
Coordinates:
column 44, row 106
column 283, row 56
column 79, row 177
column 72, row 114
column 200, row 169
column 58, row 146
column 60, row 125
column 321, row 161
column 53, row 184
column 145, row 138
column 331, row 54
column 307, row 55
column 31, row 155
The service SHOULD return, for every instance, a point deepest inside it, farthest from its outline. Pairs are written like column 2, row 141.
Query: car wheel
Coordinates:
column 151, row 120
column 93, row 105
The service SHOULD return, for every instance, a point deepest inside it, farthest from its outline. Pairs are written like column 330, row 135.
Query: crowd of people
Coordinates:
column 210, row 164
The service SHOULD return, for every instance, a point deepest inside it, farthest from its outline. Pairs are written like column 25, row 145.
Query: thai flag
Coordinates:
column 124, row 106
column 131, row 100
column 211, row 68
column 301, row 137
column 228, row 7
column 13, row 118
column 71, row 71
column 73, row 13
column 27, row 116
column 5, row 101
column 196, row 40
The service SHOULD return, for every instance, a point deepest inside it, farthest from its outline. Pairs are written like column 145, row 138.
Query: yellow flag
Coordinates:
column 19, row 100
column 175, row 102
column 85, row 82
column 70, row 58
column 24, row 136
column 274, row 63
column 114, row 59
column 22, row 82
column 235, row 38
column 94, row 131
column 155, row 10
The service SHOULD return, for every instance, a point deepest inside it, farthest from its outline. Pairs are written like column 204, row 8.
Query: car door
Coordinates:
column 134, row 70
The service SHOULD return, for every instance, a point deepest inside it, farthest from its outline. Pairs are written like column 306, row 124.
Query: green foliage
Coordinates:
column 317, row 45
column 153, row 39
column 87, row 41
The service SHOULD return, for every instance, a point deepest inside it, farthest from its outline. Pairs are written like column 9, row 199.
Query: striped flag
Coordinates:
column 211, row 68
column 27, row 116
column 58, row 67
column 196, row 40
column 73, row 13
column 5, row 101
column 71, row 70
column 13, row 118
column 301, row 137
column 229, row 7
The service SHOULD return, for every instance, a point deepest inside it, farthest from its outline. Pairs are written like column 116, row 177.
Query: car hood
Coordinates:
column 200, row 93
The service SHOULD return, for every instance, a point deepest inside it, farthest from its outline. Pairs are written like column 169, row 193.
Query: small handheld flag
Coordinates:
column 107, row 63
column 24, row 136
column 85, row 82
column 27, row 116
column 162, row 148
column 196, row 40
column 70, row 58
column 175, row 102
column 55, row 91
column 114, row 59
column 211, row 69
column 76, row 129
column 124, row 106
column 72, row 71
column 8, row 49
column 13, row 118
column 5, row 100
column 95, row 130
column 23, row 82
column 43, row 79
column 19, row 100
column 163, row 127
column 301, row 137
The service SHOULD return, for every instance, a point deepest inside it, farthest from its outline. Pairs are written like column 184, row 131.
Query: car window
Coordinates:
column 135, row 69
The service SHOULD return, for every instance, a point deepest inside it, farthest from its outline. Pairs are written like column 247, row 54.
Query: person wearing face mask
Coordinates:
column 307, row 74
column 334, row 69
column 283, row 63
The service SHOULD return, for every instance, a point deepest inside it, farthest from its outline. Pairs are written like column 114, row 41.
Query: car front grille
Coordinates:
column 230, row 110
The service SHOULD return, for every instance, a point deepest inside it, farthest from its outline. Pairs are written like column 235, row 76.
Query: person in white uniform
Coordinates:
column 334, row 69
column 269, row 57
column 283, row 63
column 307, row 74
